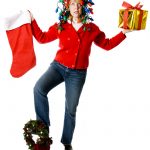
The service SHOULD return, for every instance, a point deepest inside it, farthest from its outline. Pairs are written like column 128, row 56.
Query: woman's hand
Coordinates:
column 124, row 31
column 31, row 15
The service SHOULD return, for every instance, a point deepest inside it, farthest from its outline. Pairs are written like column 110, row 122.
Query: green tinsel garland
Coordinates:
column 38, row 128
column 64, row 12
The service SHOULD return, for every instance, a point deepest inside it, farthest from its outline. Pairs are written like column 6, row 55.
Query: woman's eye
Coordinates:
column 72, row 4
column 75, row 4
column 79, row 5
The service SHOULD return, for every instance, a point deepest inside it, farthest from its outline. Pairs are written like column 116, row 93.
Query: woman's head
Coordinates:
column 77, row 9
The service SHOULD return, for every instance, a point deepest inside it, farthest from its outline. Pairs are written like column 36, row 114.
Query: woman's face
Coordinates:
column 75, row 8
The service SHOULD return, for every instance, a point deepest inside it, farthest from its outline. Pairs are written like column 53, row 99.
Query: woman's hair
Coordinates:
column 64, row 12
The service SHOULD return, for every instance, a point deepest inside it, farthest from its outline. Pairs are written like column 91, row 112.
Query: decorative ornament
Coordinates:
column 64, row 13
column 36, row 127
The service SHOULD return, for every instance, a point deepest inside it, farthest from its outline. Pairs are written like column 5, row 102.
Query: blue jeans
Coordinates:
column 74, row 81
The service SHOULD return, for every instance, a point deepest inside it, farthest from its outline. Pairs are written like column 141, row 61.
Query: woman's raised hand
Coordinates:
column 32, row 18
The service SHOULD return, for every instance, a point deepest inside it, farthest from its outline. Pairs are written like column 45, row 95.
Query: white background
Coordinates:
column 114, row 109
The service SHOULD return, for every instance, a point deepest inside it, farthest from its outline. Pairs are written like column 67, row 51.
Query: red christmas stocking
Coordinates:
column 19, row 33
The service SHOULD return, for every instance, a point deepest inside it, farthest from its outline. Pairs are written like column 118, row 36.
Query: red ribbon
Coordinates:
column 41, row 147
column 129, row 6
column 125, row 17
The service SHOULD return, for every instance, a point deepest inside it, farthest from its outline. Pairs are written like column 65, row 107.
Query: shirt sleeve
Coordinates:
column 108, row 43
column 46, row 36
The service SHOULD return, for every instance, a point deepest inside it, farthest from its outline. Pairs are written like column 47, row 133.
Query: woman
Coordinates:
column 76, row 33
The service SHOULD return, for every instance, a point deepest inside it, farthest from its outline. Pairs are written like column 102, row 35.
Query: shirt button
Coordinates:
column 66, row 51
column 75, row 54
column 72, row 66
column 68, row 39
column 78, row 40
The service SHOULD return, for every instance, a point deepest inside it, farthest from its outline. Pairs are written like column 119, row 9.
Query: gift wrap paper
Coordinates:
column 136, row 19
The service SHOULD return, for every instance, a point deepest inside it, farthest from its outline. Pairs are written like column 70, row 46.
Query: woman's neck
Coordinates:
column 76, row 20
column 76, row 24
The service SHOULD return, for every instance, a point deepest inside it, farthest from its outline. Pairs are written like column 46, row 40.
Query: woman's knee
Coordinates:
column 38, row 89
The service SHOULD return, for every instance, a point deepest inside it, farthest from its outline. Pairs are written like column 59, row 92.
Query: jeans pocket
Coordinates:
column 82, row 72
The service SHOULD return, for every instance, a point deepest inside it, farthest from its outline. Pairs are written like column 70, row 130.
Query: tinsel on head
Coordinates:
column 64, row 13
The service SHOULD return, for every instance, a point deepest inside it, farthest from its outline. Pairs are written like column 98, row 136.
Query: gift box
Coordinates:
column 41, row 147
column 132, row 17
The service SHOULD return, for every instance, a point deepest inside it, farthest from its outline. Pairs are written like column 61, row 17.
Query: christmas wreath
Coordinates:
column 38, row 128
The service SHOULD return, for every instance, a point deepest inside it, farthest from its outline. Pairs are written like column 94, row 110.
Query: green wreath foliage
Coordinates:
column 36, row 127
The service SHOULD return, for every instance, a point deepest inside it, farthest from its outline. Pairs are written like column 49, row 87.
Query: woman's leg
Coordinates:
column 74, row 81
column 47, row 81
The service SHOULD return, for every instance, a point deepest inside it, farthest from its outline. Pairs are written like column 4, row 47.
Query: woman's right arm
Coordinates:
column 43, row 37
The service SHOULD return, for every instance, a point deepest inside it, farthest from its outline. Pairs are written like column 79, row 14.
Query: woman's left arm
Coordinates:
column 108, row 43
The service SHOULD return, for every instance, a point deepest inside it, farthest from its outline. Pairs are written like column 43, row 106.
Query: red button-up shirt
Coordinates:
column 75, row 46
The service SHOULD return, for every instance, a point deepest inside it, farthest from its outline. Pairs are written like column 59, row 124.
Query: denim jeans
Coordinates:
column 74, row 81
